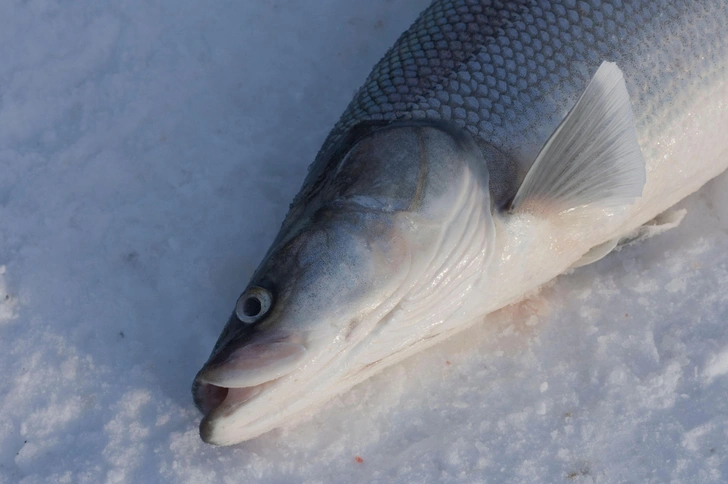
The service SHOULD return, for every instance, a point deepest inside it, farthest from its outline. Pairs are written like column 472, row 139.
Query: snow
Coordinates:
column 149, row 151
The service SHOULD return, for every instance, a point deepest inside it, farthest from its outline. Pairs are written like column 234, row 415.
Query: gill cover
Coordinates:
column 440, row 196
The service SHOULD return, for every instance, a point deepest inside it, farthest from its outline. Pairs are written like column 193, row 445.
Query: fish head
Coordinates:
column 340, row 265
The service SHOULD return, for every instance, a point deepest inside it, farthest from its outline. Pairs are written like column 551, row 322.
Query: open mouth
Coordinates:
column 222, row 401
column 222, row 387
column 207, row 396
column 217, row 402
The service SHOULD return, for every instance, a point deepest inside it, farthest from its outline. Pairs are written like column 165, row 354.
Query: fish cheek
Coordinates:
column 390, row 254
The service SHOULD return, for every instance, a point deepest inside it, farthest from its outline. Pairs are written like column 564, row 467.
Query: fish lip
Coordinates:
column 219, row 400
column 213, row 418
column 226, row 419
column 257, row 361
column 213, row 402
column 253, row 364
column 207, row 396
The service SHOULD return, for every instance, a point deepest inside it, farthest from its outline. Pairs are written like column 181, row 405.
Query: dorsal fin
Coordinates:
column 592, row 158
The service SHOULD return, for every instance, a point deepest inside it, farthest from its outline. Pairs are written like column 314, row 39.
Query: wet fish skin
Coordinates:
column 401, row 233
column 509, row 71
column 347, row 265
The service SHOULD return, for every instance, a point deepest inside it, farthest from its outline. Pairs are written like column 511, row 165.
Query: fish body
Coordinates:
column 496, row 145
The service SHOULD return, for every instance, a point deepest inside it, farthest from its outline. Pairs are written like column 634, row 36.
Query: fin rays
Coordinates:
column 593, row 157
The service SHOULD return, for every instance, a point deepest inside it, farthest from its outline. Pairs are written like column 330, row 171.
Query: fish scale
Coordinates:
column 509, row 71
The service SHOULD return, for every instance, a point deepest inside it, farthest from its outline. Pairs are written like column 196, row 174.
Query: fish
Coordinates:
column 496, row 145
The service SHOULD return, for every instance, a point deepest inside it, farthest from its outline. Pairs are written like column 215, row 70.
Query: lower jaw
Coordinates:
column 218, row 404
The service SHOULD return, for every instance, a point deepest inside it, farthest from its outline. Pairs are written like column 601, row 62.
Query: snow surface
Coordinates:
column 148, row 152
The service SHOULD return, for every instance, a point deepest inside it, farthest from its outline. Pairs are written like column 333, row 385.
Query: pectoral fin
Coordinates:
column 665, row 221
column 593, row 158
column 596, row 253
column 662, row 223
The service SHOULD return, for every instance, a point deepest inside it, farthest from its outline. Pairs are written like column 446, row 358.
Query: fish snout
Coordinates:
column 253, row 364
column 235, row 376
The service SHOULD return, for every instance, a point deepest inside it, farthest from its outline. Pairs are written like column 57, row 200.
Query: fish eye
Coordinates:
column 253, row 304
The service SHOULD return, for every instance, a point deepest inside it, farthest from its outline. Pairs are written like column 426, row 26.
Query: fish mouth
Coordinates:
column 224, row 385
column 213, row 399
column 218, row 403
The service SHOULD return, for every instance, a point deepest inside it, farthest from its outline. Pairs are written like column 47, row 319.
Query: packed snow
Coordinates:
column 148, row 153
